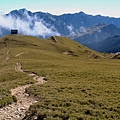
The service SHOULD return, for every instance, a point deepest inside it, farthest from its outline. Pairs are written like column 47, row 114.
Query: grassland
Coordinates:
column 79, row 86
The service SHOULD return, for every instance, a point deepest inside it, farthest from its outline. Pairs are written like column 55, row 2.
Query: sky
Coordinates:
column 57, row 7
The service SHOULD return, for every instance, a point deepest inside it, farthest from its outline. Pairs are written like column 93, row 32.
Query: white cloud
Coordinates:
column 71, row 30
column 82, row 29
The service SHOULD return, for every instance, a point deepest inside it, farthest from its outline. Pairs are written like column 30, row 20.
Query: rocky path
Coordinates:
column 20, row 54
column 8, row 56
column 16, row 111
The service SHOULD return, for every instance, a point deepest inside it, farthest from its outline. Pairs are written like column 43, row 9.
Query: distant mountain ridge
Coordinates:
column 97, row 33
column 44, row 24
column 109, row 45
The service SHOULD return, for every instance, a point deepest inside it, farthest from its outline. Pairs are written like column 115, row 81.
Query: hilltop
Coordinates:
column 60, row 46
column 78, row 82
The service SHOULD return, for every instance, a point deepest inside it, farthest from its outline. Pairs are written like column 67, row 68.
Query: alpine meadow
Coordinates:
column 65, row 80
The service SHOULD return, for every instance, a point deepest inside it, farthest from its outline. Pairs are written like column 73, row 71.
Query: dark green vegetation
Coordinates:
column 79, row 86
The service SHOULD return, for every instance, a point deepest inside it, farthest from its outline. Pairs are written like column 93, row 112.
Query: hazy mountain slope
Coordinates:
column 97, row 33
column 110, row 45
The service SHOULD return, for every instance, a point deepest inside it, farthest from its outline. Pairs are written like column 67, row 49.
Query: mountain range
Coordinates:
column 83, row 28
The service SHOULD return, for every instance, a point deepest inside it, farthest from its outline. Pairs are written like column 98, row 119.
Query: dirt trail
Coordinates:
column 8, row 55
column 20, row 54
column 16, row 111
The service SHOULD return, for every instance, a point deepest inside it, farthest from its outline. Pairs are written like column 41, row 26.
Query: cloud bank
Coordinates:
column 30, row 25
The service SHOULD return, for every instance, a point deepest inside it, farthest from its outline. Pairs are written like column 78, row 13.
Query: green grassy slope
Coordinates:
column 78, row 85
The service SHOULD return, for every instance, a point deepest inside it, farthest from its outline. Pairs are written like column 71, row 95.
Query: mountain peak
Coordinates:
column 18, row 11
column 23, row 10
column 81, row 12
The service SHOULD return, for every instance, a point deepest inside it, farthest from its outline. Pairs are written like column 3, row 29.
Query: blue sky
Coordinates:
column 57, row 7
